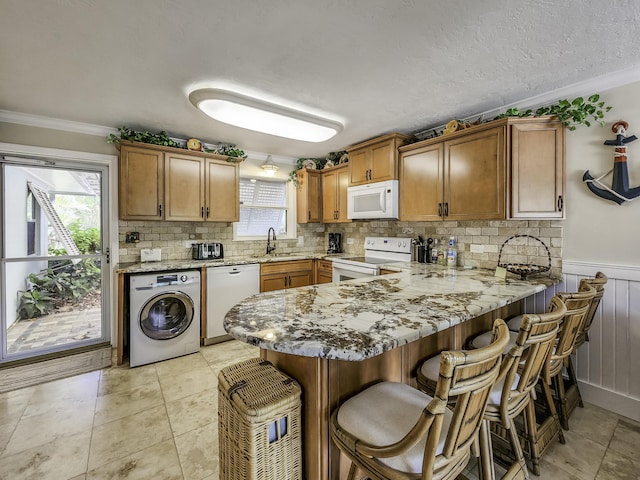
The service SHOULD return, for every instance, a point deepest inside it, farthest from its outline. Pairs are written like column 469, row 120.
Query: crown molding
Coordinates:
column 590, row 86
column 55, row 123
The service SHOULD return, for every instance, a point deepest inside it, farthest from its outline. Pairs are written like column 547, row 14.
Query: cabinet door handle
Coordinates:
column 439, row 209
column 309, row 214
column 207, row 212
column 202, row 212
column 160, row 210
column 560, row 203
column 446, row 209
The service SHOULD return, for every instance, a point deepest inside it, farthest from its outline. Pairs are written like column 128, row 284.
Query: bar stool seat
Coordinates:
column 484, row 339
column 391, row 431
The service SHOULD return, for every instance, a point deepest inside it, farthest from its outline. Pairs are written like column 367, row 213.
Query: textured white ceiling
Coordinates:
column 377, row 66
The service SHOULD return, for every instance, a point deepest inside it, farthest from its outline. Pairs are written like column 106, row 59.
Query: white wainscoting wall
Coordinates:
column 608, row 366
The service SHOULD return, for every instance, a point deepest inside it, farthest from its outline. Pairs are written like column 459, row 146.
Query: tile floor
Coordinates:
column 160, row 422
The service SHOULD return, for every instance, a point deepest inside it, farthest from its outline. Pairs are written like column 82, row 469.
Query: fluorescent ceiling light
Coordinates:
column 261, row 116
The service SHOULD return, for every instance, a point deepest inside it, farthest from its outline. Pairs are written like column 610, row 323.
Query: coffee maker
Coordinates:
column 335, row 243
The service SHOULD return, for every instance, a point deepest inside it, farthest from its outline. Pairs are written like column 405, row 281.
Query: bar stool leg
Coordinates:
column 517, row 448
column 532, row 434
column 486, row 467
column 552, row 408
column 573, row 380
column 563, row 407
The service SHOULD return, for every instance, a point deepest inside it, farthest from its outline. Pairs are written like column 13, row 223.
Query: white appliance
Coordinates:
column 373, row 200
column 377, row 251
column 164, row 316
column 227, row 286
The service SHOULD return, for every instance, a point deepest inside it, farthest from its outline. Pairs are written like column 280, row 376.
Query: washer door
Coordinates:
column 166, row 316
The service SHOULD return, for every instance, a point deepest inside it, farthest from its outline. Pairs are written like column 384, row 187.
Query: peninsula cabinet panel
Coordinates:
column 141, row 184
column 375, row 160
column 475, row 176
column 334, row 195
column 308, row 201
column 184, row 187
column 324, row 271
column 421, row 183
column 537, row 170
column 222, row 191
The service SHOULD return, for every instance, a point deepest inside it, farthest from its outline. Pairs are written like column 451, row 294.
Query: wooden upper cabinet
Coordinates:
column 458, row 179
column 537, row 169
column 375, row 160
column 421, row 183
column 184, row 185
column 222, row 191
column 164, row 183
column 141, row 184
column 475, row 176
column 334, row 194
column 308, row 191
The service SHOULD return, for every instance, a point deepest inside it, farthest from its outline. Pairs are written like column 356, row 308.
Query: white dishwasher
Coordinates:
column 227, row 286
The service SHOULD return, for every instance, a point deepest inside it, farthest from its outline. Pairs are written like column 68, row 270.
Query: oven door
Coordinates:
column 343, row 272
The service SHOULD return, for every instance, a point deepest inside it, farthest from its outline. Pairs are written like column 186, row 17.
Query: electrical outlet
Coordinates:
column 349, row 241
column 132, row 237
column 475, row 248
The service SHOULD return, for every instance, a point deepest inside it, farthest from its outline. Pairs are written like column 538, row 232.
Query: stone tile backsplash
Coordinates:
column 174, row 239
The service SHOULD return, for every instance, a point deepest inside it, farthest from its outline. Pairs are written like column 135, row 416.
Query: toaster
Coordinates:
column 206, row 251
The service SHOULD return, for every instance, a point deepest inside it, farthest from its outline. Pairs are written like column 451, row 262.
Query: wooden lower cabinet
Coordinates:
column 324, row 271
column 288, row 274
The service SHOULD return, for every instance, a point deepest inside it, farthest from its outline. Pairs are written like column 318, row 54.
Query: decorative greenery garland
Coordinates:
column 233, row 153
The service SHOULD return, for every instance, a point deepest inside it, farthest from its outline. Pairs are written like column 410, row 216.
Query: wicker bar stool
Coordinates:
column 577, row 304
column 521, row 368
column 572, row 392
column 394, row 431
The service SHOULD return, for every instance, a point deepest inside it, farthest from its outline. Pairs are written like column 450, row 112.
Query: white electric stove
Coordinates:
column 377, row 251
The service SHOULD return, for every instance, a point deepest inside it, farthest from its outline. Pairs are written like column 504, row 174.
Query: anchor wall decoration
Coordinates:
column 619, row 192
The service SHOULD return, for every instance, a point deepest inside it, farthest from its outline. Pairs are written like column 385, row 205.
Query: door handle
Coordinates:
column 439, row 209
column 560, row 203
column 446, row 209
column 160, row 210
column 207, row 212
column 309, row 214
column 202, row 212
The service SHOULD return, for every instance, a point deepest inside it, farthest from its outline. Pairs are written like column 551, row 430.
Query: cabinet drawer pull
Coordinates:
column 560, row 203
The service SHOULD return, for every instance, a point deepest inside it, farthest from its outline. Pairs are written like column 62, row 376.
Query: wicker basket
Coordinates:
column 524, row 269
column 259, row 424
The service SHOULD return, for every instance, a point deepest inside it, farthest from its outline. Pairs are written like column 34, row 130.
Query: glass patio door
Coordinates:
column 53, row 258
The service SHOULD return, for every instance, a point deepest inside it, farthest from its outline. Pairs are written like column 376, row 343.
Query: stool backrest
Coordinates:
column 468, row 375
column 577, row 304
column 534, row 344
column 598, row 283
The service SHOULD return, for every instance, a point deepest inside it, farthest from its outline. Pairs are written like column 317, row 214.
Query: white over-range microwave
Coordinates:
column 373, row 200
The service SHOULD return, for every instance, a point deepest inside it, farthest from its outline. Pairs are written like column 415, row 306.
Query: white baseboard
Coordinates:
column 614, row 402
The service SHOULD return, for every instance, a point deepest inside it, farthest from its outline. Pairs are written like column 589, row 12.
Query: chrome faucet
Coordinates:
column 270, row 249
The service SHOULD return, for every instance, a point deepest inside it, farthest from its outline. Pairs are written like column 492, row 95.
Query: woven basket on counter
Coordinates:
column 525, row 269
column 259, row 423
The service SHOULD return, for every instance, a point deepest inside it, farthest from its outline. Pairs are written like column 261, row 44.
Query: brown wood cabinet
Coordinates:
column 163, row 183
column 308, row 191
column 454, row 178
column 324, row 271
column 375, row 160
column 286, row 274
column 335, row 181
column 141, row 183
column 537, row 175
column 509, row 168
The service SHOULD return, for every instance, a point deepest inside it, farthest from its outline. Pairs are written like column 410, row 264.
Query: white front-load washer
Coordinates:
column 164, row 316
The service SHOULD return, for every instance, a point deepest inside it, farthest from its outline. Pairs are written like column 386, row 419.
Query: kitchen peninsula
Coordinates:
column 335, row 339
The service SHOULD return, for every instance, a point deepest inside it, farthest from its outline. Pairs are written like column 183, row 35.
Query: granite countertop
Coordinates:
column 359, row 319
column 188, row 264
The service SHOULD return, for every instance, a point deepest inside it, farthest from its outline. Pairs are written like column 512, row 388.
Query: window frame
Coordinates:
column 290, row 208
